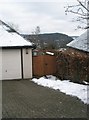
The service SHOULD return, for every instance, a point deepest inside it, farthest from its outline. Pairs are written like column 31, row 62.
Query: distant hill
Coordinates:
column 54, row 40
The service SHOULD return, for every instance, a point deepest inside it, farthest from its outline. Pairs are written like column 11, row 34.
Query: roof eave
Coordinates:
column 85, row 51
column 17, row 47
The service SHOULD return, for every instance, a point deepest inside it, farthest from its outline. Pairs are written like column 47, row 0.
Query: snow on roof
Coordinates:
column 11, row 39
column 81, row 43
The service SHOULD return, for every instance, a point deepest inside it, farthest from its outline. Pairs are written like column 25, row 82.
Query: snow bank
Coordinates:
column 67, row 87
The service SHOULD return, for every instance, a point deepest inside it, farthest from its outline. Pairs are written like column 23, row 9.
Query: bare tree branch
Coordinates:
column 76, row 13
column 83, row 5
column 81, row 10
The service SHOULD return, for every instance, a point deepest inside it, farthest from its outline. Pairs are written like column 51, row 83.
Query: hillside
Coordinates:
column 52, row 40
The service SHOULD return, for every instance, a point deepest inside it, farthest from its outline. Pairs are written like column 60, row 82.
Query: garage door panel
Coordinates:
column 11, row 64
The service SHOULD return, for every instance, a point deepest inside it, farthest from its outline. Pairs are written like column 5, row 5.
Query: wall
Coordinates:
column 0, row 84
column 27, row 63
column 0, row 64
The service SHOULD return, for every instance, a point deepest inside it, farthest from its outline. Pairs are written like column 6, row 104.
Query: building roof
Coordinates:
column 81, row 43
column 10, row 38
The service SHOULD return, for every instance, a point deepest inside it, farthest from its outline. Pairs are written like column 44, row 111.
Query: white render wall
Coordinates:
column 11, row 64
column 0, row 84
column 0, row 63
column 27, row 63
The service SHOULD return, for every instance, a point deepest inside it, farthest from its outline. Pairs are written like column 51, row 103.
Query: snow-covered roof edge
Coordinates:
column 10, row 38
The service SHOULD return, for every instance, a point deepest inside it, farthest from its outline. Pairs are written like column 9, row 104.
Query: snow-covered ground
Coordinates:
column 65, row 86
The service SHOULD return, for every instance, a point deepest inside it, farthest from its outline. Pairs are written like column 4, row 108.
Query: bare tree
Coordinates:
column 82, row 11
column 35, row 37
column 37, row 30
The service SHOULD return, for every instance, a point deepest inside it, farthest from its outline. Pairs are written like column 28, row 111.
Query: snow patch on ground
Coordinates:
column 65, row 86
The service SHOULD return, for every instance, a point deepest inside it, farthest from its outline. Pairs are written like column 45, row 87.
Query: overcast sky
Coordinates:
column 48, row 14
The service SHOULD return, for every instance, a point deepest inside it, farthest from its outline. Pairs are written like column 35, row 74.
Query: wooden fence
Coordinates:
column 44, row 65
column 66, row 64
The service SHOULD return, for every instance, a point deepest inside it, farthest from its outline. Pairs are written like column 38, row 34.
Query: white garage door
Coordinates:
column 11, row 64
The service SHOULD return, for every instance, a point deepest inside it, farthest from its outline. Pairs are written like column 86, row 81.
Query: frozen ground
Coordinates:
column 65, row 86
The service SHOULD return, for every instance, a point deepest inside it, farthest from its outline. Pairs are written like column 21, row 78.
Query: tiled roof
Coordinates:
column 81, row 43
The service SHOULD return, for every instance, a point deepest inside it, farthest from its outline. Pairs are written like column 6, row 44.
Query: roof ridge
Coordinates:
column 7, row 39
column 11, row 29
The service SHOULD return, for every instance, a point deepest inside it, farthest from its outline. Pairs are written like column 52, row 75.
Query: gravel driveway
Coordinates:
column 25, row 99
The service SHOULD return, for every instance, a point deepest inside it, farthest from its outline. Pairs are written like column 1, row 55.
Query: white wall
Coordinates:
column 0, row 84
column 0, row 99
column 27, row 63
column 0, row 64
column 11, row 64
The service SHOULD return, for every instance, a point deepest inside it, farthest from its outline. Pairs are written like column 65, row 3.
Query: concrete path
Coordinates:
column 25, row 99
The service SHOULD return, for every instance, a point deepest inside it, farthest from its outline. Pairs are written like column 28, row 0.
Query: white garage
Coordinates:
column 15, row 55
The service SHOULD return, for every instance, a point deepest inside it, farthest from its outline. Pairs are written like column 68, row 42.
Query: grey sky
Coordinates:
column 48, row 14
